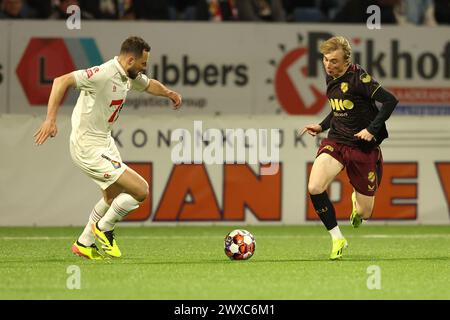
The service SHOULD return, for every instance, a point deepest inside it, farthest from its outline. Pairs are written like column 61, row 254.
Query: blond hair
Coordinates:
column 336, row 43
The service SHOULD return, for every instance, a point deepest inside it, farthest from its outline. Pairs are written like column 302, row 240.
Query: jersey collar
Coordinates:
column 120, row 68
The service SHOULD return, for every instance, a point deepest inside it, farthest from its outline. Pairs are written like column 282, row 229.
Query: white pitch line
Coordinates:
column 366, row 236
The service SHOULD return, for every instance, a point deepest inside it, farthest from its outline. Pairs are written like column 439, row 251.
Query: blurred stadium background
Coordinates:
column 238, row 64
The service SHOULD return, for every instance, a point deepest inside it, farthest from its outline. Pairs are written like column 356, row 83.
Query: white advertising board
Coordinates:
column 41, row 185
column 233, row 68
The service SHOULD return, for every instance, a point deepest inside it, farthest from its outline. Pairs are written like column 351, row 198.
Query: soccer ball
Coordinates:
column 239, row 245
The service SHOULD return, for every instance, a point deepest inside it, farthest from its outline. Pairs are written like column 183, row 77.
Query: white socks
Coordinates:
column 87, row 237
column 336, row 233
column 121, row 206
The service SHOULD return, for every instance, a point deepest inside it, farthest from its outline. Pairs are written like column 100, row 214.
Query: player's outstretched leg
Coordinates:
column 325, row 210
column 324, row 169
column 135, row 190
column 89, row 252
column 87, row 237
column 104, row 229
column 85, row 245
column 355, row 218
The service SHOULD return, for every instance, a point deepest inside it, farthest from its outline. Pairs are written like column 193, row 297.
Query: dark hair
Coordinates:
column 135, row 46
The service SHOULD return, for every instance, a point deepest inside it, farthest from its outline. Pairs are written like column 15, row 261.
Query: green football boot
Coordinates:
column 107, row 240
column 338, row 246
column 83, row 251
column 355, row 218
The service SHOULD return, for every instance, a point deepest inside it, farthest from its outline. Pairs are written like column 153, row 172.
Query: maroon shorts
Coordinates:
column 364, row 169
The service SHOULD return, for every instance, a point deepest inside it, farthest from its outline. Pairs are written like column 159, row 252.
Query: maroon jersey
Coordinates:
column 352, row 108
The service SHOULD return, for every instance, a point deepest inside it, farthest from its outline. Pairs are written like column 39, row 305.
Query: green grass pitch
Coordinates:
column 188, row 262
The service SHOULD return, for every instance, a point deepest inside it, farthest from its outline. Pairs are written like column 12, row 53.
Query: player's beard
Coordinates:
column 133, row 73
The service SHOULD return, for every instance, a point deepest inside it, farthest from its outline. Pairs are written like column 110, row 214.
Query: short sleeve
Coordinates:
column 367, row 85
column 140, row 83
column 91, row 79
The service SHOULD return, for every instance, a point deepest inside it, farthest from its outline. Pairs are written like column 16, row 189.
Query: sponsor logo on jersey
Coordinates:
column 340, row 105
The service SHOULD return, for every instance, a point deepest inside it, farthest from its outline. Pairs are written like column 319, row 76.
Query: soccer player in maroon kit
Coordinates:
column 357, row 128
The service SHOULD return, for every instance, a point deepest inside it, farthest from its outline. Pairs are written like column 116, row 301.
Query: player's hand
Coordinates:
column 176, row 99
column 364, row 134
column 312, row 129
column 47, row 129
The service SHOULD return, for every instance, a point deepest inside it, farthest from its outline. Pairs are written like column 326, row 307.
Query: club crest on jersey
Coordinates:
column 116, row 164
column 344, row 87
column 365, row 78
column 371, row 176
column 114, row 88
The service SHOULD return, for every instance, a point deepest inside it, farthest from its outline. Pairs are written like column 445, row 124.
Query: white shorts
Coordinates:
column 99, row 159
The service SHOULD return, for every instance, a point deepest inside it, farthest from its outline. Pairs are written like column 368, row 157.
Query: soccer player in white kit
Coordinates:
column 103, row 92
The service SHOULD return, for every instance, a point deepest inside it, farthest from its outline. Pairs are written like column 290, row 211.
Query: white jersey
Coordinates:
column 103, row 92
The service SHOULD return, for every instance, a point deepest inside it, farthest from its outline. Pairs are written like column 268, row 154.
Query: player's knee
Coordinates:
column 143, row 192
column 314, row 188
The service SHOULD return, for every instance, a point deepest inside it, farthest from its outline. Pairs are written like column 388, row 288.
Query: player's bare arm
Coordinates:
column 312, row 129
column 158, row 89
column 59, row 88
